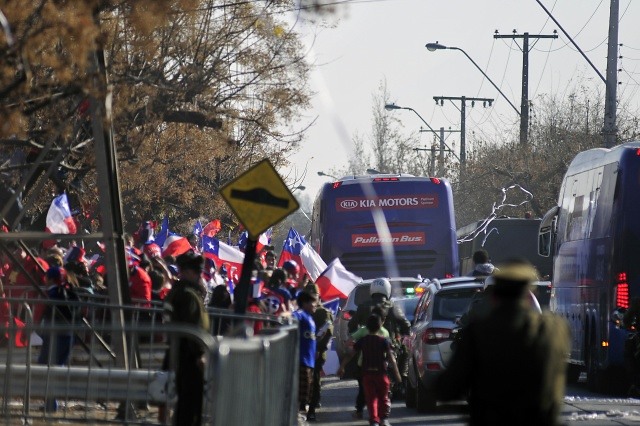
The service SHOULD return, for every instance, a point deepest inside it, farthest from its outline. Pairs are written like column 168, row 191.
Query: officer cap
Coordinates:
column 513, row 277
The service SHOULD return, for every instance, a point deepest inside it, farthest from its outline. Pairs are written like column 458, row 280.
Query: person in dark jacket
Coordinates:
column 512, row 363
column 324, row 332
column 185, row 305
column 482, row 265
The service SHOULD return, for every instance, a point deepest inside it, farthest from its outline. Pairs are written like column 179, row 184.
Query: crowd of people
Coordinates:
column 185, row 286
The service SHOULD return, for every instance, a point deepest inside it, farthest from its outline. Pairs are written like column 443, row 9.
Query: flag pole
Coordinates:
column 242, row 291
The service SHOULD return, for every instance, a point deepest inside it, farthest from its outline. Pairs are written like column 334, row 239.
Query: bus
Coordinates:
column 502, row 238
column 593, row 235
column 419, row 213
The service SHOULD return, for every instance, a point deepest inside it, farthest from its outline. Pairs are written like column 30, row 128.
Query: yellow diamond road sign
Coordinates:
column 260, row 198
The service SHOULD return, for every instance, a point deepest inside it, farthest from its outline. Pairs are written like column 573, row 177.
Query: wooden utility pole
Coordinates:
column 524, row 102
column 610, row 130
column 463, row 119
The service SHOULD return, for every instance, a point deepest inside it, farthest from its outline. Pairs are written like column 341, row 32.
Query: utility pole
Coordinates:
column 524, row 103
column 463, row 119
column 609, row 129
column 443, row 148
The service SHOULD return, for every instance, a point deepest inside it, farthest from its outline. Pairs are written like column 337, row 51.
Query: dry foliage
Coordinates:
column 199, row 90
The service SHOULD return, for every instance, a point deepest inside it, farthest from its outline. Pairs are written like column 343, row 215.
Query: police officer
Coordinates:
column 511, row 363
column 185, row 305
column 380, row 291
column 324, row 332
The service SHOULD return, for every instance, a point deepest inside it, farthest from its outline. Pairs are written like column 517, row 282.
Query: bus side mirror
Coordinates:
column 546, row 232
column 544, row 243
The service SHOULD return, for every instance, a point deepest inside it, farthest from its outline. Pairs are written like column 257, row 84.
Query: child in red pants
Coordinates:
column 376, row 352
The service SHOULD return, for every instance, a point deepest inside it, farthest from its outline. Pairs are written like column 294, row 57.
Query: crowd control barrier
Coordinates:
column 249, row 379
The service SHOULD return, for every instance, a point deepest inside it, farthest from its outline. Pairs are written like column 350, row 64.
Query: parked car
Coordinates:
column 400, row 287
column 440, row 307
column 407, row 304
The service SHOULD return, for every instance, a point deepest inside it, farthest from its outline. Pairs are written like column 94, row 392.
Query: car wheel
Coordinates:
column 425, row 400
column 410, row 396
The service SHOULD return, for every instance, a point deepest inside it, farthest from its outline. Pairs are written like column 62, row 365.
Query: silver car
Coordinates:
column 405, row 286
column 442, row 304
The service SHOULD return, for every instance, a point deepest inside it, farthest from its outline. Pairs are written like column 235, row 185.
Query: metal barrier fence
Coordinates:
column 248, row 379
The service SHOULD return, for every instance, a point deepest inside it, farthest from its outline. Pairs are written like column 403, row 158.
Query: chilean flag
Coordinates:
column 163, row 233
column 291, row 250
column 222, row 253
column 59, row 219
column 263, row 240
column 296, row 248
column 175, row 245
column 336, row 281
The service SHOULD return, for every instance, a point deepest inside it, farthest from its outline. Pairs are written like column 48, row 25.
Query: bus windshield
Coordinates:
column 418, row 212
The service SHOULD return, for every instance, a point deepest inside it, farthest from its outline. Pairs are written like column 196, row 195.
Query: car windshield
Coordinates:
column 408, row 306
column 448, row 305
column 362, row 291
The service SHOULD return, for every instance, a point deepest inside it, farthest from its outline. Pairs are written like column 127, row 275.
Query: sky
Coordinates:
column 384, row 40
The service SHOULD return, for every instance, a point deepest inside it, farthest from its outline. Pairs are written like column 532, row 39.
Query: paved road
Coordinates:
column 581, row 408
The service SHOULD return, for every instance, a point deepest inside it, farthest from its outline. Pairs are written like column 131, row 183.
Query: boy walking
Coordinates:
column 376, row 353
column 307, row 303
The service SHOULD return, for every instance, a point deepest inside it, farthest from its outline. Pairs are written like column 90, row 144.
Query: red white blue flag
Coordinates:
column 296, row 248
column 59, row 219
column 222, row 254
column 175, row 245
column 163, row 233
column 336, row 281
column 263, row 240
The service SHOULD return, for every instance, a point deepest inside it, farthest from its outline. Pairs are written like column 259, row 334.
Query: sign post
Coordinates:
column 259, row 198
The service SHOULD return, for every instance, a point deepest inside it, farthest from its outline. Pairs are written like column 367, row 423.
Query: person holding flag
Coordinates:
column 324, row 332
column 291, row 250
column 297, row 249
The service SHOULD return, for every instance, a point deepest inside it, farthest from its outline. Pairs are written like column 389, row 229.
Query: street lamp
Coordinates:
column 391, row 107
column 373, row 172
column 432, row 47
column 321, row 173
column 299, row 188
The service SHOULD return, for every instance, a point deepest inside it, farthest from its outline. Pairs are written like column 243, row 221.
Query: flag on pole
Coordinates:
column 263, row 240
column 163, row 233
column 296, row 248
column 175, row 245
column 312, row 262
column 222, row 253
column 59, row 219
column 197, row 229
column 212, row 228
column 291, row 250
column 197, row 232
column 336, row 281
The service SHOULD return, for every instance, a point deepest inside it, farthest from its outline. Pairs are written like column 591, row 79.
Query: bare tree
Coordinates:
column 560, row 129
column 200, row 90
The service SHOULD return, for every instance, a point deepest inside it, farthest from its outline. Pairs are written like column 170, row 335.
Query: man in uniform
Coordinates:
column 185, row 305
column 511, row 363
column 324, row 332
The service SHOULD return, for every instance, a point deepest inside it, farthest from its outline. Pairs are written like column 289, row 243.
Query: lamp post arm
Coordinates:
column 487, row 77
column 433, row 131
column 422, row 119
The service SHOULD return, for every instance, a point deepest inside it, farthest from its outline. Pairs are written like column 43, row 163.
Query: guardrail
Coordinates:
column 258, row 371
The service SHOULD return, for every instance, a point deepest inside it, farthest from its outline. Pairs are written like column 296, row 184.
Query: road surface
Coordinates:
column 581, row 407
